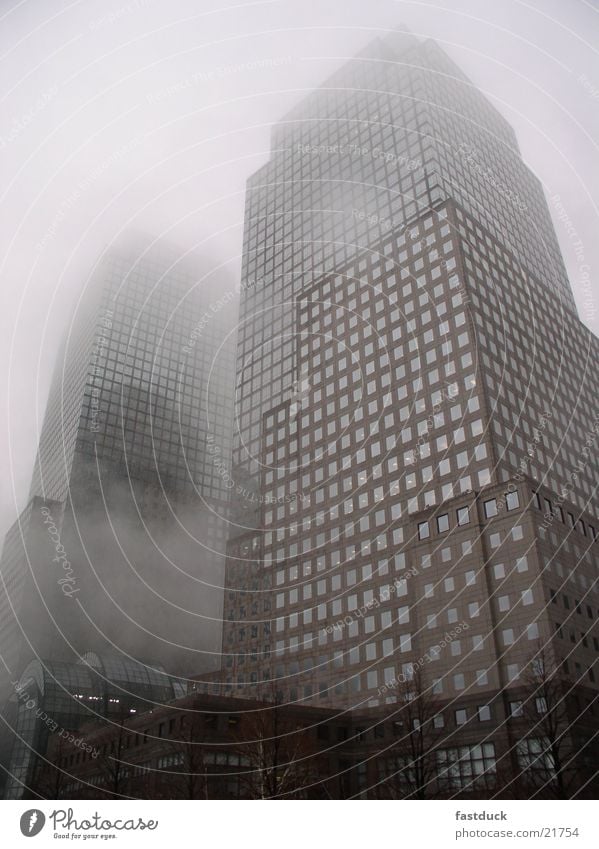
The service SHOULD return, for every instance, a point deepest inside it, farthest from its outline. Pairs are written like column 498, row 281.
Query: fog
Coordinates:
column 149, row 115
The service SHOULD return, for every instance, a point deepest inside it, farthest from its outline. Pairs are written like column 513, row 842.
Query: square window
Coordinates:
column 513, row 671
column 403, row 615
column 490, row 508
column 499, row 571
column 372, row 679
column 512, row 502
column 463, row 515
column 443, row 523
column 423, row 530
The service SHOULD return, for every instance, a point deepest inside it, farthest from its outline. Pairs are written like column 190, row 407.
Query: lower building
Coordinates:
column 208, row 747
column 535, row 741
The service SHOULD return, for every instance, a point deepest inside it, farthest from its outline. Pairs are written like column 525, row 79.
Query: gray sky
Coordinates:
column 153, row 114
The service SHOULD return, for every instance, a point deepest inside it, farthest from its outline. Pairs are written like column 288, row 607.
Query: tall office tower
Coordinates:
column 418, row 403
column 127, row 493
column 394, row 132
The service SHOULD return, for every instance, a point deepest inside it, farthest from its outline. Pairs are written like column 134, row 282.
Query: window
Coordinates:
column 516, row 709
column 463, row 515
column 405, row 642
column 372, row 679
column 512, row 502
column 535, row 754
column 490, row 508
column 541, row 705
column 527, row 597
column 482, row 677
column 423, row 530
column 484, row 713
column 457, row 768
column 443, row 523
column 461, row 716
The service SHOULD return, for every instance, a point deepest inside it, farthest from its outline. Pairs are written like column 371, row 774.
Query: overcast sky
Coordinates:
column 153, row 114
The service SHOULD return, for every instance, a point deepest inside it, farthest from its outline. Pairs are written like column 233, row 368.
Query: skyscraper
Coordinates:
column 127, row 495
column 417, row 408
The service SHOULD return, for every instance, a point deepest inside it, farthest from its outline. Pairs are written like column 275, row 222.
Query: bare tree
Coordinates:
column 185, row 775
column 413, row 756
column 545, row 752
column 49, row 778
column 114, row 771
column 278, row 758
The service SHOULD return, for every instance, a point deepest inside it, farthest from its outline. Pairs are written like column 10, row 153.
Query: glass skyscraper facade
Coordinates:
column 128, row 473
column 144, row 378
